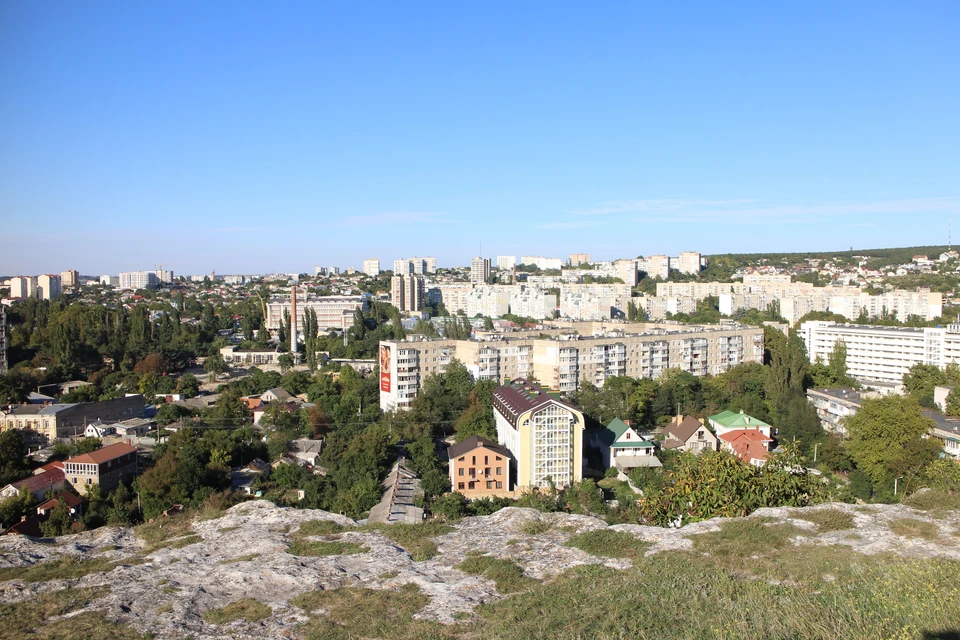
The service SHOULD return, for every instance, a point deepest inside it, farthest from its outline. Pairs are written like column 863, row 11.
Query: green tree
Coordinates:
column 921, row 380
column 214, row 365
column 886, row 436
column 953, row 402
column 286, row 362
column 58, row 523
column 13, row 463
column 188, row 385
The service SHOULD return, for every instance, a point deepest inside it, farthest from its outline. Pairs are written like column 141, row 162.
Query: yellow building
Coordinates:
column 543, row 434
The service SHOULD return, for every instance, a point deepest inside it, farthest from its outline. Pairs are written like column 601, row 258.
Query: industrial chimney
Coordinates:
column 293, row 322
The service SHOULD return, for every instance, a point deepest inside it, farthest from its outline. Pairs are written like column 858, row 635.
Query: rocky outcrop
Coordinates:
column 246, row 554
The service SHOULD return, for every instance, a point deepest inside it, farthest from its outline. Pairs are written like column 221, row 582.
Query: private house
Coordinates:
column 107, row 467
column 243, row 478
column 624, row 449
column 307, row 450
column 543, row 434
column 750, row 445
column 729, row 421
column 686, row 433
column 277, row 394
column 49, row 477
column 479, row 468
column 72, row 502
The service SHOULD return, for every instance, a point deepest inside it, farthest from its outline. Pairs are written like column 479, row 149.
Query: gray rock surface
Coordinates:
column 166, row 591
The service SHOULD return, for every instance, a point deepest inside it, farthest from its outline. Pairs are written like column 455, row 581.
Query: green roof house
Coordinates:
column 622, row 447
column 729, row 421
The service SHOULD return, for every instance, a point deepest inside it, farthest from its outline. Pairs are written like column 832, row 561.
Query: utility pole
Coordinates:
column 815, row 451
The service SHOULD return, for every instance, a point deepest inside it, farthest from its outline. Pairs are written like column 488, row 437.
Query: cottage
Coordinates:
column 48, row 478
column 686, row 433
column 479, row 468
column 750, row 445
column 729, row 421
column 624, row 449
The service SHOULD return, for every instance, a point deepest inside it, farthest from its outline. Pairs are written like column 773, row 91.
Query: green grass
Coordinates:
column 938, row 502
column 417, row 539
column 27, row 619
column 66, row 567
column 826, row 519
column 301, row 547
column 179, row 543
column 739, row 539
column 350, row 613
column 246, row 558
column 507, row 575
column 245, row 608
column 318, row 528
column 388, row 575
column 914, row 528
column 608, row 544
column 535, row 527
column 161, row 532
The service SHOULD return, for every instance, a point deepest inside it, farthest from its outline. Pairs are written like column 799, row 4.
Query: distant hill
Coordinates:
column 879, row 257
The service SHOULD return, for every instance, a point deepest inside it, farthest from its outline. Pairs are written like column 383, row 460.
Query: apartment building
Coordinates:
column 565, row 362
column 833, row 405
column 689, row 262
column 23, row 287
column 697, row 290
column 408, row 293
column 494, row 300
column 594, row 301
column 656, row 266
column 506, row 262
column 3, row 340
column 628, row 271
column 480, row 468
column 48, row 286
column 371, row 267
column 49, row 422
column 107, row 467
column 333, row 312
column 542, row 262
column 138, row 279
column 479, row 270
column 877, row 354
column 543, row 434
column 577, row 259
column 70, row 278
column 164, row 276
column 109, row 281
column 659, row 308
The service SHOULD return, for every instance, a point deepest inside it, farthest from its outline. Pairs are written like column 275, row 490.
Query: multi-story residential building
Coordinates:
column 659, row 308
column 107, row 467
column 479, row 270
column 506, row 262
column 402, row 267
column 488, row 300
column 371, row 267
column 882, row 354
column 408, row 292
column 697, row 290
column 542, row 262
column 543, row 433
column 70, row 278
column 333, row 271
column 46, row 423
column 480, row 468
column 110, row 281
column 138, row 280
column 48, row 286
column 3, row 340
column 532, row 302
column 689, row 262
column 833, row 405
column 333, row 312
column 594, row 301
column 564, row 363
column 627, row 270
column 164, row 276
column 577, row 259
column 23, row 287
column 656, row 266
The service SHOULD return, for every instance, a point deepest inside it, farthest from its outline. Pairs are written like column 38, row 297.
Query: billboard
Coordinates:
column 385, row 368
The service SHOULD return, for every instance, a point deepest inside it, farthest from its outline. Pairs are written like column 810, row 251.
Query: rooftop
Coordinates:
column 100, row 456
column 520, row 396
column 471, row 443
column 732, row 420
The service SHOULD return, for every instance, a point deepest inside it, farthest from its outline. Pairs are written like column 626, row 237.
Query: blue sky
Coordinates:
column 255, row 137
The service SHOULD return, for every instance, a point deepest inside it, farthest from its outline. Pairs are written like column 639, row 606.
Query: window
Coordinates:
column 460, row 471
column 474, row 459
column 499, row 458
column 463, row 458
column 499, row 471
column 499, row 485
column 486, row 459
column 472, row 486
column 628, row 435
column 473, row 472
column 486, row 471
column 460, row 485
column 489, row 484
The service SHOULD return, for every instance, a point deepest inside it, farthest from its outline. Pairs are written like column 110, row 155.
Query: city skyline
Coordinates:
column 259, row 140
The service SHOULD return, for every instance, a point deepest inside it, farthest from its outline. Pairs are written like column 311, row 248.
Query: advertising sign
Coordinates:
column 385, row 368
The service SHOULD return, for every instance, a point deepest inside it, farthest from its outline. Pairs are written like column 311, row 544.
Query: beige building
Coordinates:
column 48, row 286
column 576, row 259
column 70, row 278
column 656, row 266
column 688, row 262
column 371, row 267
column 408, row 293
column 627, row 270
column 479, row 270
column 333, row 312
column 49, row 422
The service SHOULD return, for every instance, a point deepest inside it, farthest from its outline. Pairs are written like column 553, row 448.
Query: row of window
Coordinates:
column 473, row 471
column 472, row 486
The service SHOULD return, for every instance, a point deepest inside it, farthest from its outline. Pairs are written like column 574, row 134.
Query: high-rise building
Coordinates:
column 109, row 281
column 479, row 270
column 138, row 279
column 626, row 270
column 48, row 286
column 3, row 340
column 577, row 259
column 431, row 264
column 70, row 278
column 371, row 267
column 689, row 262
column 23, row 287
column 657, row 267
column 506, row 262
column 164, row 276
column 408, row 292
column 542, row 262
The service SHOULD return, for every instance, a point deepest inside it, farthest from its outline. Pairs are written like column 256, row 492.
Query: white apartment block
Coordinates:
column 138, row 279
column 3, row 340
column 698, row 290
column 657, row 307
column 506, row 262
column 542, row 263
column 479, row 270
column 767, row 278
column 849, row 302
column 333, row 312
column 494, row 300
column 688, row 262
column 532, row 302
column 48, row 286
column 627, row 270
column 418, row 266
column 566, row 362
column 594, row 301
column 882, row 354
column 23, row 287
column 109, row 281
column 371, row 267
column 165, row 276
column 656, row 266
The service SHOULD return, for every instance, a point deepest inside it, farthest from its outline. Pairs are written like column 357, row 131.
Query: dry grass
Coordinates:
column 245, row 608
column 508, row 575
column 246, row 558
column 66, row 567
column 28, row 619
column 938, row 503
column 746, row 538
column 914, row 528
column 318, row 528
column 535, row 527
column 608, row 544
column 826, row 519
column 417, row 539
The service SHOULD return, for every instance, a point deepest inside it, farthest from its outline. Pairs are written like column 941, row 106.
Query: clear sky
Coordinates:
column 271, row 136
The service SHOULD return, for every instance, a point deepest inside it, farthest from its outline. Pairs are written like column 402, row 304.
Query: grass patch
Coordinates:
column 169, row 590
column 246, row 608
column 66, row 567
column 179, row 543
column 319, row 528
column 746, row 538
column 246, row 558
column 27, row 620
column 416, row 539
column 508, row 575
column 913, row 528
column 301, row 547
column 825, row 519
column 366, row 613
column 227, row 529
column 934, row 500
column 608, row 544
column 535, row 527
column 167, row 608
column 388, row 575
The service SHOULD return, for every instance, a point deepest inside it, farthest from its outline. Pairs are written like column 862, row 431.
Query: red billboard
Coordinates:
column 385, row 368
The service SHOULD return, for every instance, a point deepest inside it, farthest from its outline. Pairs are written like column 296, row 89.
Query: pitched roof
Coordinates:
column 102, row 455
column 514, row 399
column 753, row 435
column 41, row 481
column 471, row 443
column 282, row 394
column 732, row 420
column 71, row 501
column 681, row 428
column 615, row 430
column 747, row 444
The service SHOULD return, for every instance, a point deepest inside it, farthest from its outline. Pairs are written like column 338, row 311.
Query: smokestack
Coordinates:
column 293, row 321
